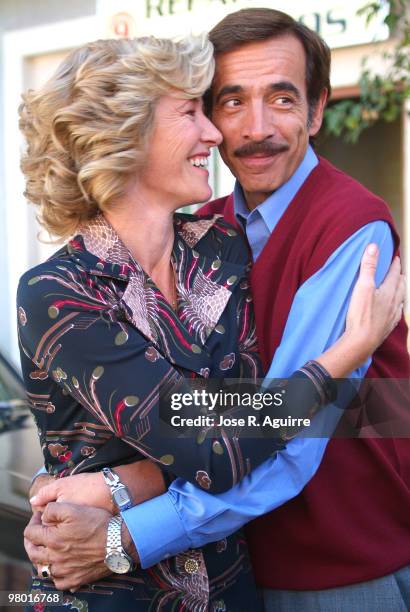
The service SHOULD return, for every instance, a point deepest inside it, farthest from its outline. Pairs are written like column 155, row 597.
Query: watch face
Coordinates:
column 122, row 498
column 117, row 563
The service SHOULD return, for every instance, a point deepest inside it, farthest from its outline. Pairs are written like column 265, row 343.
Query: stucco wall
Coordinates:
column 16, row 14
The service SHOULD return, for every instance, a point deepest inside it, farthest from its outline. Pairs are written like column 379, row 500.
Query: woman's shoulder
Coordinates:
column 37, row 279
column 211, row 234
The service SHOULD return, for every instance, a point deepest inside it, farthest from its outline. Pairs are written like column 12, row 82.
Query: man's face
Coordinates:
column 260, row 105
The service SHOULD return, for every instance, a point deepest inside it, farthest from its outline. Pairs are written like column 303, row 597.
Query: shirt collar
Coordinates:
column 272, row 209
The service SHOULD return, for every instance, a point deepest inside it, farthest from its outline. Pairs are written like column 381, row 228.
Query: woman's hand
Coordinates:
column 373, row 314
column 82, row 489
column 40, row 481
column 143, row 479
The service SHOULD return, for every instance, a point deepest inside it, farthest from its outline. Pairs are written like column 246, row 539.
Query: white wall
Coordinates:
column 33, row 51
column 21, row 47
column 22, row 14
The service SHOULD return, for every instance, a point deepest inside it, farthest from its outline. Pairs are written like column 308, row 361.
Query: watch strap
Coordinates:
column 114, row 541
column 122, row 501
column 111, row 478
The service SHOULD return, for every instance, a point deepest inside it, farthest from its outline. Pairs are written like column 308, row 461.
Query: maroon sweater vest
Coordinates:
column 351, row 523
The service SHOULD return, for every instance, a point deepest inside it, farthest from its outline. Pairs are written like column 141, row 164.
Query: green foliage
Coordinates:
column 381, row 96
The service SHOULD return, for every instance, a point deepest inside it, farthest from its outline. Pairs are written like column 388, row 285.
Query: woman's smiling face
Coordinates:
column 177, row 152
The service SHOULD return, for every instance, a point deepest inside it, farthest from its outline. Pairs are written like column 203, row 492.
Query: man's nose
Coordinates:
column 258, row 122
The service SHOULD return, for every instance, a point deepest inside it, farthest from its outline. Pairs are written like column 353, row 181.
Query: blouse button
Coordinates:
column 191, row 566
column 231, row 280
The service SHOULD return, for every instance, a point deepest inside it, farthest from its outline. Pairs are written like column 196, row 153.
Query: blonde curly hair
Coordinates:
column 87, row 128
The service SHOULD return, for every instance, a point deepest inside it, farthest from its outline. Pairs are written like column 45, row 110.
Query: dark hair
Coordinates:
column 257, row 24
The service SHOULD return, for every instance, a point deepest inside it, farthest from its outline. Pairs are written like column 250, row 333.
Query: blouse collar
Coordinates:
column 204, row 286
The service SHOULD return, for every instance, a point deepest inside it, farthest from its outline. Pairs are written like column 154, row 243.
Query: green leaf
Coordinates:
column 381, row 95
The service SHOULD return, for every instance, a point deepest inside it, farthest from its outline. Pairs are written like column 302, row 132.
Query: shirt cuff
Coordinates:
column 156, row 529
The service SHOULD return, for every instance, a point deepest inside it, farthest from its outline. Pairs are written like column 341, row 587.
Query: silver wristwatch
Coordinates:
column 116, row 559
column 119, row 492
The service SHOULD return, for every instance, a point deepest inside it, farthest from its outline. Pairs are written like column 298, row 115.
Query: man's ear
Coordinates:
column 317, row 117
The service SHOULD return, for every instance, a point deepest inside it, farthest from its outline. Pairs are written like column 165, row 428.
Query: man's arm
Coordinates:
column 187, row 517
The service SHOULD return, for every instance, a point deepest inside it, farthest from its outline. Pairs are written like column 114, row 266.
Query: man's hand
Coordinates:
column 71, row 540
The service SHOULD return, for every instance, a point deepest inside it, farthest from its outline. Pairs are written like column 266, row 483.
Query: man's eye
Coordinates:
column 191, row 112
column 283, row 100
column 231, row 103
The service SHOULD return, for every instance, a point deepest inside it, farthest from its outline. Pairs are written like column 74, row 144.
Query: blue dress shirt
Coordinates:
column 187, row 517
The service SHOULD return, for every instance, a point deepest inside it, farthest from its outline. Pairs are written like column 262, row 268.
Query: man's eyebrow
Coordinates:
column 228, row 89
column 285, row 86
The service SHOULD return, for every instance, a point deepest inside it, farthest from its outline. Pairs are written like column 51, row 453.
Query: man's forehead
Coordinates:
column 275, row 57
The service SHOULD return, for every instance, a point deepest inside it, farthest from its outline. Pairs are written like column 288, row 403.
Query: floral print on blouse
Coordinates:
column 98, row 340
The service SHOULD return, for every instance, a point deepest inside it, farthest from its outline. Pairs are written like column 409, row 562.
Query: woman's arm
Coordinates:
column 373, row 314
column 88, row 363
column 144, row 480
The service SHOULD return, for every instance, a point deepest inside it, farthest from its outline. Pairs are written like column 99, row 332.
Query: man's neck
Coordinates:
column 260, row 222
column 254, row 198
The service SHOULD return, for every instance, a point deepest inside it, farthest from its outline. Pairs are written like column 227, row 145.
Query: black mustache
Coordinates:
column 266, row 147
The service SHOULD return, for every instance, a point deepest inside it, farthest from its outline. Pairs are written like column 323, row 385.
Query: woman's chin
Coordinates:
column 199, row 197
column 204, row 195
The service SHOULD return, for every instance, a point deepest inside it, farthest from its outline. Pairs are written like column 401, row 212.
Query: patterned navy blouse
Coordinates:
column 98, row 339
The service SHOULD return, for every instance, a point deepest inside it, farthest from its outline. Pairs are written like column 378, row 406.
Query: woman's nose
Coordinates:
column 210, row 133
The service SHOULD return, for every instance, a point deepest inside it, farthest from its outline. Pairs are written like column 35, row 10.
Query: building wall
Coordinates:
column 382, row 170
column 4, row 275
column 17, row 14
